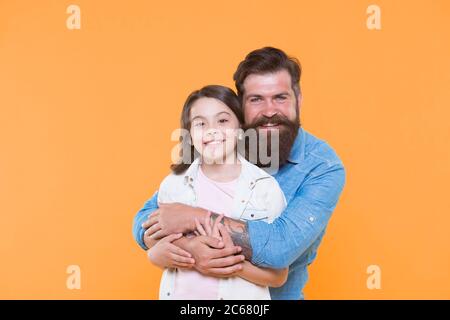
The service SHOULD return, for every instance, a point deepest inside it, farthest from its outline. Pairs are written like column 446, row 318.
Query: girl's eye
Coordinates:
column 223, row 120
column 199, row 124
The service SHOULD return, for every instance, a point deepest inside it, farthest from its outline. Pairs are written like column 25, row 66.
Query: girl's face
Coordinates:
column 214, row 129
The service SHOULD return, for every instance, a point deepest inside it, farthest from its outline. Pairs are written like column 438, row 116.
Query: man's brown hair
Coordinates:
column 267, row 60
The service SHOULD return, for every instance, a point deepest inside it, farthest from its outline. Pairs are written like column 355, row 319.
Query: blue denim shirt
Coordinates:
column 312, row 181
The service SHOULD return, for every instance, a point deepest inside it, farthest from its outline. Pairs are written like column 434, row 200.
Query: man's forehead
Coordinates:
column 268, row 83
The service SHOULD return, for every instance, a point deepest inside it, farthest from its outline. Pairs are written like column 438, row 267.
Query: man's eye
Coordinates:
column 256, row 99
column 281, row 98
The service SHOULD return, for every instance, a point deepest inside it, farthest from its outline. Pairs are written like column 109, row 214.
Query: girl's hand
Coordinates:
column 226, row 238
column 165, row 254
column 207, row 228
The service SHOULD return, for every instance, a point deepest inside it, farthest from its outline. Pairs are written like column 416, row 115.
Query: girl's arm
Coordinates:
column 263, row 276
column 165, row 254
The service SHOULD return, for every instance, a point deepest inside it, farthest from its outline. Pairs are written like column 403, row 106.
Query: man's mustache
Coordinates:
column 263, row 120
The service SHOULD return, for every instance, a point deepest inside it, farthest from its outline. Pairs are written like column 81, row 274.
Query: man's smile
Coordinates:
column 270, row 126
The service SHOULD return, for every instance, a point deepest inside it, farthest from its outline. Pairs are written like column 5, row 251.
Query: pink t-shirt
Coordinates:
column 217, row 197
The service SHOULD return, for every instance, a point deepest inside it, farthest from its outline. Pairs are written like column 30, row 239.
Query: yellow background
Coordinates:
column 86, row 117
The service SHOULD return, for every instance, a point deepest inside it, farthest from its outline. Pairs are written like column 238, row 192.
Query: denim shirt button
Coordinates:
column 311, row 218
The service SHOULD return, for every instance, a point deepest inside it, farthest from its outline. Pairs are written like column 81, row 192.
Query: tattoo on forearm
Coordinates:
column 238, row 232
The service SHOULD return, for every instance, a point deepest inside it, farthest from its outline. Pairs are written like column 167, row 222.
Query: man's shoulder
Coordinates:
column 320, row 151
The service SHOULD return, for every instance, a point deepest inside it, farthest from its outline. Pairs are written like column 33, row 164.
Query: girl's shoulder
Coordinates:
column 267, row 199
column 171, row 181
column 173, row 188
column 174, row 180
column 252, row 171
column 263, row 182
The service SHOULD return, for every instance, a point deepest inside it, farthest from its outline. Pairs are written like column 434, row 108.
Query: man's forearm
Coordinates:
column 138, row 232
column 238, row 232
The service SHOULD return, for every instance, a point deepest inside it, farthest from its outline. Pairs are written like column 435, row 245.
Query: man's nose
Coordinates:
column 269, row 109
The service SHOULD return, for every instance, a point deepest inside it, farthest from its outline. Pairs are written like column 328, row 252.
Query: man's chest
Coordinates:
column 290, row 178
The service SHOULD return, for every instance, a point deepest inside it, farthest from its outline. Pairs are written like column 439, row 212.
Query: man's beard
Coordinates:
column 288, row 131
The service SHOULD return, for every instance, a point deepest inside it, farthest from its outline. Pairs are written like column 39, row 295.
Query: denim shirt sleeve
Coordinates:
column 138, row 232
column 279, row 244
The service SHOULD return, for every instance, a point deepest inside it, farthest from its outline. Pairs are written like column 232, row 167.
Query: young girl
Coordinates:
column 216, row 177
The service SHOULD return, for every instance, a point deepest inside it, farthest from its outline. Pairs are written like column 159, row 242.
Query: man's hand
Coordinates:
column 213, row 258
column 165, row 254
column 172, row 218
